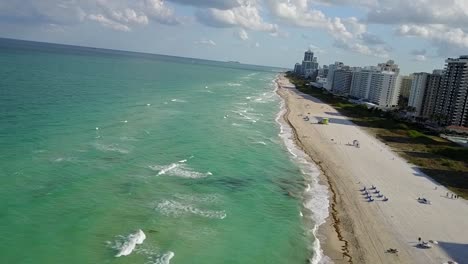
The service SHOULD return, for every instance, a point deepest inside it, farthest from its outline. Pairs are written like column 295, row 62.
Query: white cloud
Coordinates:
column 207, row 42
column 219, row 4
column 349, row 33
column 129, row 16
column 438, row 34
column 159, row 12
column 420, row 58
column 448, row 12
column 106, row 22
column 242, row 34
column 246, row 16
column 115, row 14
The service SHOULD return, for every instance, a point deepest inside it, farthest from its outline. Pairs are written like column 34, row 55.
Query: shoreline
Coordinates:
column 357, row 231
column 330, row 230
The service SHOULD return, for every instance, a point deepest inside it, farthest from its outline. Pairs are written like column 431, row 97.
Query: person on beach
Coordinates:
column 447, row 195
column 419, row 239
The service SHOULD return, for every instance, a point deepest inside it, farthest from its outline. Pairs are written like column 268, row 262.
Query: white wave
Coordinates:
column 245, row 115
column 179, row 169
column 234, row 84
column 111, row 148
column 128, row 139
column 315, row 196
column 130, row 243
column 177, row 209
column 260, row 142
column 199, row 198
column 165, row 258
column 64, row 159
column 178, row 101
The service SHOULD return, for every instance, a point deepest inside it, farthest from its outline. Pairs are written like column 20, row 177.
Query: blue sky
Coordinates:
column 419, row 34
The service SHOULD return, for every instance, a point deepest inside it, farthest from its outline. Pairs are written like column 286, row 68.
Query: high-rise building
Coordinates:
column 417, row 93
column 389, row 66
column 452, row 99
column 405, row 89
column 309, row 64
column 384, row 90
column 342, row 81
column 331, row 71
column 432, row 90
column 309, row 56
column 361, row 83
column 323, row 72
column 298, row 68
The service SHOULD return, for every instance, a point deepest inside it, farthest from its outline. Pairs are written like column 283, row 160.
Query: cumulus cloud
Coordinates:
column 106, row 22
column 242, row 34
column 218, row 4
column 445, row 38
column 448, row 12
column 246, row 16
column 207, row 42
column 117, row 14
column 159, row 12
column 349, row 33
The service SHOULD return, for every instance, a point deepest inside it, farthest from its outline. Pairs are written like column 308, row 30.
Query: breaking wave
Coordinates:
column 315, row 195
column 176, row 209
column 126, row 245
column 179, row 169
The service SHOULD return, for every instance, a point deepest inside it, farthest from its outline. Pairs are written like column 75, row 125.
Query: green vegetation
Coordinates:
column 444, row 161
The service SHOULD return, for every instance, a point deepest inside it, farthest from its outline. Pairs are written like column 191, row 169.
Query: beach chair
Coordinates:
column 385, row 199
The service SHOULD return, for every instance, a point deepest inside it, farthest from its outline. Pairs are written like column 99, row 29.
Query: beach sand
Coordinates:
column 358, row 231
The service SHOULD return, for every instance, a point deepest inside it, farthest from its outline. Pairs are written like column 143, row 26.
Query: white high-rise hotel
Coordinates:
column 378, row 85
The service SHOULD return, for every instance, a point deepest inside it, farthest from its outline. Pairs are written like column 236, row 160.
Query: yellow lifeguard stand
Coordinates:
column 324, row 121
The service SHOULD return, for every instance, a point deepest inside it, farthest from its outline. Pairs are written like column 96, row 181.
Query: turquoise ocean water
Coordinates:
column 97, row 144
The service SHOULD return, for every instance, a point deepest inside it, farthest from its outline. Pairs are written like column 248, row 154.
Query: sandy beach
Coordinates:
column 359, row 231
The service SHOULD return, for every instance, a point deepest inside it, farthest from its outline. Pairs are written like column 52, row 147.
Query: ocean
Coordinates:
column 98, row 144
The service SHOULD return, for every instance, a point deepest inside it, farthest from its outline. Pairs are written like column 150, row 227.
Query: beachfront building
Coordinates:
column 361, row 83
column 389, row 66
column 384, row 90
column 331, row 71
column 342, row 81
column 406, row 82
column 308, row 55
column 432, row 90
column 405, row 88
column 298, row 68
column 309, row 65
column 417, row 92
column 452, row 99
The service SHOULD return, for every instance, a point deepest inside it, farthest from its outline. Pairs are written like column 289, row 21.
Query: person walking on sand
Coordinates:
column 447, row 195
column 419, row 240
column 452, row 195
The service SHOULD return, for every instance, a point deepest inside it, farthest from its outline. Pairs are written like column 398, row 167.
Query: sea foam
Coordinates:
column 177, row 209
column 130, row 243
column 164, row 258
column 315, row 195
column 179, row 169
